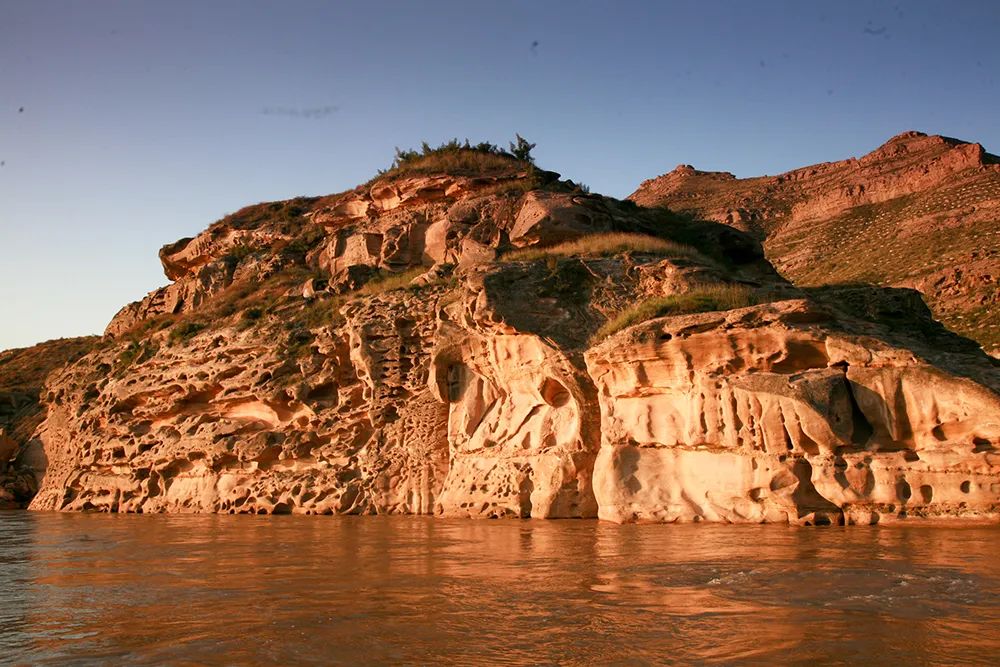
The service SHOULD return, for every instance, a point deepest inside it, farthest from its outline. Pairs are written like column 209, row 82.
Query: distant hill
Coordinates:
column 920, row 211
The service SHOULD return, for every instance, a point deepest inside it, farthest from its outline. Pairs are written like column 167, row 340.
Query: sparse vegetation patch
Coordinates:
column 462, row 157
column 702, row 299
column 185, row 331
column 385, row 282
column 605, row 245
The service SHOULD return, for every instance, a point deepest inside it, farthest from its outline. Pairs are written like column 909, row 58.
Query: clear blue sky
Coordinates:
column 145, row 121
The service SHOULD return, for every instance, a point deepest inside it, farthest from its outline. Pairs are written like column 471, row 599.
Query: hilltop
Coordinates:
column 920, row 211
column 470, row 335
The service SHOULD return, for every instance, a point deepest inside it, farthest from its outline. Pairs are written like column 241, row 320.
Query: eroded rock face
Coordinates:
column 22, row 377
column 388, row 226
column 520, row 423
column 341, row 421
column 416, row 345
column 516, row 426
column 779, row 413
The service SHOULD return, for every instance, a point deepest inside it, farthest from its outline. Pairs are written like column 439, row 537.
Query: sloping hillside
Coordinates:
column 920, row 211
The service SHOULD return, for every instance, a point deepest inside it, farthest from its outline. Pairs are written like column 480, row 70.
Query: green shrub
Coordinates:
column 701, row 299
column 297, row 343
column 296, row 249
column 282, row 213
column 604, row 245
column 185, row 331
column 319, row 312
column 135, row 352
column 237, row 254
column 520, row 148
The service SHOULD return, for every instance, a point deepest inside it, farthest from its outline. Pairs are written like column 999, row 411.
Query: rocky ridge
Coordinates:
column 498, row 342
column 920, row 212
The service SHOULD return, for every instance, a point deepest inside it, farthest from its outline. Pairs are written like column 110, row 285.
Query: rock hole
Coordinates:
column 903, row 490
column 966, row 486
column 268, row 457
column 324, row 392
column 861, row 428
column 783, row 480
column 980, row 445
column 454, row 383
column 788, row 437
column 805, row 496
column 554, row 393
column 801, row 356
column 927, row 493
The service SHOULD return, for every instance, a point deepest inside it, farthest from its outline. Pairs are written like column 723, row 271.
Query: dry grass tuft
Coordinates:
column 459, row 162
column 387, row 282
column 604, row 245
column 701, row 299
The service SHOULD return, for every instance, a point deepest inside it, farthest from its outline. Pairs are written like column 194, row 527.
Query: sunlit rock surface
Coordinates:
column 782, row 413
column 437, row 343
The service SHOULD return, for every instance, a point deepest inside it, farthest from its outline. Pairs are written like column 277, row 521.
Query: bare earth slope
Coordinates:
column 486, row 342
column 920, row 211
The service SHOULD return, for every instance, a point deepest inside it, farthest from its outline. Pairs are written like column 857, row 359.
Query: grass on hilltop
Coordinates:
column 462, row 157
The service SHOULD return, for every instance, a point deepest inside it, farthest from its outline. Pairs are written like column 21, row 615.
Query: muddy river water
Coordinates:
column 100, row 589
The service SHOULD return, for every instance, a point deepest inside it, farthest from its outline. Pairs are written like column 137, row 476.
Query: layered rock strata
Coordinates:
column 781, row 413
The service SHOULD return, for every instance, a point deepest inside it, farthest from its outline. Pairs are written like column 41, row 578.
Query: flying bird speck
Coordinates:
column 534, row 47
column 312, row 112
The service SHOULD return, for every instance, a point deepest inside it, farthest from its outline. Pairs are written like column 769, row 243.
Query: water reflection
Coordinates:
column 211, row 589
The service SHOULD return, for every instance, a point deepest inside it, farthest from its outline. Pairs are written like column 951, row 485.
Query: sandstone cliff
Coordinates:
column 920, row 211
column 474, row 337
column 22, row 375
